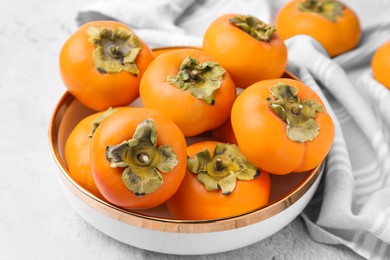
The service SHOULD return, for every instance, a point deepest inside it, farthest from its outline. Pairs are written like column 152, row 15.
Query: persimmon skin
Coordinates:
column 380, row 65
column 97, row 90
column 224, row 133
column 261, row 134
column 77, row 155
column 192, row 115
column 193, row 202
column 336, row 37
column 119, row 127
column 246, row 59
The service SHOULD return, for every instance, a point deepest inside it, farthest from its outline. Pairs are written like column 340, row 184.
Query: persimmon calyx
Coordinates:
column 202, row 80
column 299, row 115
column 223, row 169
column 254, row 27
column 329, row 9
column 116, row 49
column 142, row 159
column 96, row 123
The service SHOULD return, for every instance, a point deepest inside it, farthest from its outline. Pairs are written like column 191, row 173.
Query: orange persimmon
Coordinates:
column 138, row 158
column 102, row 63
column 282, row 126
column 247, row 48
column 218, row 188
column 190, row 88
column 77, row 151
column 224, row 133
column 333, row 24
column 380, row 64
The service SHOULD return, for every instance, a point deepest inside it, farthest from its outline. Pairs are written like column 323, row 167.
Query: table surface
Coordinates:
column 36, row 221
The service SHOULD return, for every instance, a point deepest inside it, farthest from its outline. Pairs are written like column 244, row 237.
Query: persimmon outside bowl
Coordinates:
column 154, row 229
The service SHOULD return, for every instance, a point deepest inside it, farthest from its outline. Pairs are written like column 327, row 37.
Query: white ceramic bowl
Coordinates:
column 154, row 229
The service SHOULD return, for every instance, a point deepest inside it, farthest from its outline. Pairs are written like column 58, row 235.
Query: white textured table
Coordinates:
column 36, row 222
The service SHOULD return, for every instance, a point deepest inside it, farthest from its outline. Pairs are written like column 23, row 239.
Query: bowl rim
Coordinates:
column 167, row 224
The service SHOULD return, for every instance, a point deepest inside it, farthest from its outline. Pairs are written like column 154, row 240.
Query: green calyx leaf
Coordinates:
column 254, row 27
column 299, row 115
column 222, row 170
column 116, row 49
column 96, row 123
column 202, row 80
column 329, row 9
column 142, row 159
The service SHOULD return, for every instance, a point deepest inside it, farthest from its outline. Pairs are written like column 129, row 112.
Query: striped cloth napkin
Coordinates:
column 352, row 204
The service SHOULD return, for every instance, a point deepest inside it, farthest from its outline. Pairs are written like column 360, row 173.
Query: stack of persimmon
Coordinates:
column 137, row 157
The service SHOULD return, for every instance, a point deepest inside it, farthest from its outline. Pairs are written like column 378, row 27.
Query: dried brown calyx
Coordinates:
column 254, row 27
column 223, row 169
column 142, row 159
column 96, row 123
column 116, row 49
column 298, row 114
column 202, row 80
column 329, row 9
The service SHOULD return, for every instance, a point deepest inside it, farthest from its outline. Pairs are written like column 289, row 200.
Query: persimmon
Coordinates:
column 219, row 183
column 77, row 151
column 138, row 158
column 282, row 126
column 249, row 49
column 224, row 133
column 102, row 63
column 189, row 87
column 330, row 22
column 380, row 64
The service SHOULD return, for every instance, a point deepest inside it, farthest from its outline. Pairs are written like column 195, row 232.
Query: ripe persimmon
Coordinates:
column 77, row 151
column 380, row 64
column 249, row 49
column 219, row 183
column 224, row 133
column 138, row 158
column 102, row 63
column 330, row 22
column 190, row 88
column 282, row 126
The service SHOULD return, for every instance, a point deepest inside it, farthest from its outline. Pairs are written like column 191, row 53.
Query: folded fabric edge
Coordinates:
column 364, row 244
column 84, row 17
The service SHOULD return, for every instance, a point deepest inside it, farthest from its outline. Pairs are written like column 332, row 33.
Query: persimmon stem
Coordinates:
column 219, row 165
column 297, row 110
column 144, row 158
column 115, row 51
column 195, row 75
